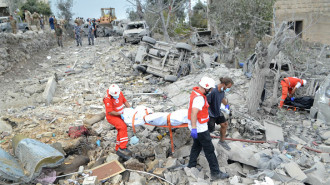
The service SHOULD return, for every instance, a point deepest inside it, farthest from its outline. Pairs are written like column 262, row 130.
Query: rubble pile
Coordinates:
column 20, row 47
column 67, row 89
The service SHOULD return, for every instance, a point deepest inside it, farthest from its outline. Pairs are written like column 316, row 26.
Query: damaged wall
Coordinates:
column 20, row 47
column 312, row 17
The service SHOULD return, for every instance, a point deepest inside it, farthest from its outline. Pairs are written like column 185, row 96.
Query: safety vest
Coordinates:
column 292, row 81
column 203, row 115
column 117, row 105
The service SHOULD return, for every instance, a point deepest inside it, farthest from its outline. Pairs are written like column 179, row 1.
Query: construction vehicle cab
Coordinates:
column 107, row 15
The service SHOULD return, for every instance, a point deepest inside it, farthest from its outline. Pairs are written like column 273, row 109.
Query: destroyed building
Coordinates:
column 53, row 128
column 309, row 19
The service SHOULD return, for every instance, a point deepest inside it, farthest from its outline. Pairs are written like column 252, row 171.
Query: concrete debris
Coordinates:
column 49, row 91
column 294, row 171
column 273, row 132
column 74, row 98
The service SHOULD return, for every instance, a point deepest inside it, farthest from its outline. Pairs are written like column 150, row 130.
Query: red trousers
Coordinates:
column 121, row 127
column 285, row 90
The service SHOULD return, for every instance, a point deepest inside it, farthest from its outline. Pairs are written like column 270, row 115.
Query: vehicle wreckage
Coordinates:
column 168, row 60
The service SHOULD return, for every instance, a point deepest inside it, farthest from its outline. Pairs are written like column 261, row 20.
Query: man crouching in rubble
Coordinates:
column 114, row 102
column 290, row 84
column 198, row 116
column 215, row 98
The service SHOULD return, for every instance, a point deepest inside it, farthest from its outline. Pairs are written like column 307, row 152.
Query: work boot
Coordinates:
column 224, row 145
column 125, row 151
column 218, row 176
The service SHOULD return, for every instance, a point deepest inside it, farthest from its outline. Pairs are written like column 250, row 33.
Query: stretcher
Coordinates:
column 148, row 112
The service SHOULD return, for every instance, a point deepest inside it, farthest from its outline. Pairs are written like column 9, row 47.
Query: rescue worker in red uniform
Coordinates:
column 198, row 116
column 290, row 84
column 115, row 102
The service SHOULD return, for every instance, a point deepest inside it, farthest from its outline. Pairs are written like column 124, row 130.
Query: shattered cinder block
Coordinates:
column 50, row 89
column 325, row 157
column 273, row 132
column 294, row 171
column 325, row 148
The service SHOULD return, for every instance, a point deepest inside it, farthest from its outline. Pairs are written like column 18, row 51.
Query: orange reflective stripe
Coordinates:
column 170, row 130
column 133, row 122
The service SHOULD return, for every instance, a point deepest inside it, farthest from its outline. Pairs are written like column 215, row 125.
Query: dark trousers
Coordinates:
column 204, row 142
column 95, row 33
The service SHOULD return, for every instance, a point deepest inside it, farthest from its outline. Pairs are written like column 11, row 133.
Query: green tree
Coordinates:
column 199, row 15
column 36, row 6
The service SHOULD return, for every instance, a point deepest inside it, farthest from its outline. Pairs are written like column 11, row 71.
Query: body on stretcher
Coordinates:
column 142, row 115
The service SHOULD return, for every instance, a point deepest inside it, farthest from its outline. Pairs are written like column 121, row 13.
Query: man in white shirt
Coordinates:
column 199, row 116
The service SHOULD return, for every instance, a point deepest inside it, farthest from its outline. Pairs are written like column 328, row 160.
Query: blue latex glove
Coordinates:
column 193, row 133
column 292, row 99
column 227, row 106
column 122, row 116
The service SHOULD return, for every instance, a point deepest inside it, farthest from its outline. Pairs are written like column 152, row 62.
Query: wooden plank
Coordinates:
column 107, row 170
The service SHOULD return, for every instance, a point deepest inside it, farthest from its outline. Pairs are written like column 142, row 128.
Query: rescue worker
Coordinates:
column 13, row 24
column 290, row 84
column 28, row 17
column 215, row 98
column 77, row 34
column 90, row 33
column 115, row 102
column 58, row 35
column 36, row 20
column 198, row 117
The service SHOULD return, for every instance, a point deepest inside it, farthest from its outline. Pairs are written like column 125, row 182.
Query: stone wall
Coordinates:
column 315, row 15
column 22, row 46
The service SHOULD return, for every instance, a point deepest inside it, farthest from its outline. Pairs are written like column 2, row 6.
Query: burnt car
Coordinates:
column 166, row 60
column 202, row 38
column 321, row 107
column 6, row 27
column 135, row 31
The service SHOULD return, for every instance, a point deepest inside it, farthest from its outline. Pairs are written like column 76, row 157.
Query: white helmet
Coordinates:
column 114, row 90
column 304, row 82
column 207, row 83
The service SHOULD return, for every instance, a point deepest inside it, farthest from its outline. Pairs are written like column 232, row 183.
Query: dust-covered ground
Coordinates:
column 85, row 73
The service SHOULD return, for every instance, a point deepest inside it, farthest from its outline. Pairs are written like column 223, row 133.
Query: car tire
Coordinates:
column 170, row 78
column 183, row 46
column 140, row 68
column 149, row 40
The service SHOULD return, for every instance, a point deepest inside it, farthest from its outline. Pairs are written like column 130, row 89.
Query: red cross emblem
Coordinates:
column 115, row 92
column 207, row 85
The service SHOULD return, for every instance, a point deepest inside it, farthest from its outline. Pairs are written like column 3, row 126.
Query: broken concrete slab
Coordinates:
column 241, row 152
column 234, row 169
column 294, row 171
column 182, row 152
column 318, row 176
column 5, row 127
column 324, row 148
column 325, row 135
column 273, row 132
column 112, row 157
column 325, row 157
column 137, row 178
column 159, row 171
column 192, row 172
column 49, row 91
column 94, row 119
column 171, row 163
column 134, row 164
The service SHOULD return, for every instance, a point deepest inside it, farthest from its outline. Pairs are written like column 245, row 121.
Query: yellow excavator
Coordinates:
column 107, row 16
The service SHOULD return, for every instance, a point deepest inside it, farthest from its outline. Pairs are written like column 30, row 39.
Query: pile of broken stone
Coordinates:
column 44, row 107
